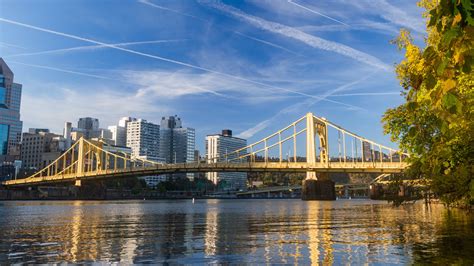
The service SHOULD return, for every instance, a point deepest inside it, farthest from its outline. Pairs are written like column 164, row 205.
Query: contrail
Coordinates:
column 61, row 70
column 296, row 34
column 168, row 60
column 146, row 2
column 12, row 45
column 265, row 123
column 365, row 94
column 91, row 47
column 140, row 93
column 267, row 43
column 316, row 12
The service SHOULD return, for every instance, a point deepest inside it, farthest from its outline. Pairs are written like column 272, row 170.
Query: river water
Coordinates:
column 234, row 231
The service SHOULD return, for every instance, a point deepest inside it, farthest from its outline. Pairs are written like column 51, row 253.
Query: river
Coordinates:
column 234, row 231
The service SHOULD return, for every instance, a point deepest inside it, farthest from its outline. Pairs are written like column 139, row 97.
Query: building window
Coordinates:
column 4, row 129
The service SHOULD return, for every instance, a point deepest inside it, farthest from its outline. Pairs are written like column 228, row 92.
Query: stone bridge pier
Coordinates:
column 317, row 186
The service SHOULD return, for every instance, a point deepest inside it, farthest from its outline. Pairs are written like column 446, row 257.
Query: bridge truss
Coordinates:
column 311, row 144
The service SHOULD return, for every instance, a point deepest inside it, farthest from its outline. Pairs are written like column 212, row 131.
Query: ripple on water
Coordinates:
column 239, row 231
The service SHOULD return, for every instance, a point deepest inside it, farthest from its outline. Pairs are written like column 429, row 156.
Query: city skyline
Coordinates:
column 169, row 60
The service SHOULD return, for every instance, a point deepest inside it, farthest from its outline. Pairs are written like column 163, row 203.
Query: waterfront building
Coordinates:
column 9, row 168
column 40, row 148
column 217, row 146
column 144, row 139
column 10, row 123
column 119, row 132
column 177, row 143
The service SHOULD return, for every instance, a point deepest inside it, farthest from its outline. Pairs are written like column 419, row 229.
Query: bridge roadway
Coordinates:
column 291, row 167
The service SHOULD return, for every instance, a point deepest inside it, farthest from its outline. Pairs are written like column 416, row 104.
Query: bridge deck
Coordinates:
column 301, row 167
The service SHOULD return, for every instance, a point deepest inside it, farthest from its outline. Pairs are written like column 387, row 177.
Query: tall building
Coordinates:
column 39, row 148
column 144, row 139
column 177, row 144
column 218, row 145
column 10, row 124
column 119, row 132
column 67, row 134
column 89, row 127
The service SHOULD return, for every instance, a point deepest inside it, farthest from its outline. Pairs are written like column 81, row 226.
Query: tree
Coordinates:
column 436, row 123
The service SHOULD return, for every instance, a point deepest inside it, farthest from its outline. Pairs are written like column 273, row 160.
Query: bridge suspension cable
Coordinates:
column 310, row 135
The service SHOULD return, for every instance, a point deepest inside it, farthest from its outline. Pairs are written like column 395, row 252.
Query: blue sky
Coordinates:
column 252, row 66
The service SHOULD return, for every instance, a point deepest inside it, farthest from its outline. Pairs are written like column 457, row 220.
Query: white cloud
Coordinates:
column 180, row 63
column 173, row 84
column 296, row 34
column 397, row 15
column 196, row 67
column 67, row 103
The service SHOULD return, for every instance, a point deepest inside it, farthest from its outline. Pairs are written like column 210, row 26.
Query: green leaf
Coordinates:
column 450, row 100
column 449, row 35
column 429, row 53
column 442, row 66
column 412, row 132
column 430, row 81
column 433, row 17
column 411, row 106
column 468, row 5
column 467, row 67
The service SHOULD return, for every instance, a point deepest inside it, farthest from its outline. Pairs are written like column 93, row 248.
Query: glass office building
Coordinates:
column 217, row 146
column 177, row 143
column 10, row 124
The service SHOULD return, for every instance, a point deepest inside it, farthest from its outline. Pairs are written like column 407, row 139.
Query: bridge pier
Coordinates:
column 318, row 189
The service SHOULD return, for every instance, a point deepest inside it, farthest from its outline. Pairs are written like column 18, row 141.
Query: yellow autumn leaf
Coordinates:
column 458, row 56
column 457, row 18
column 448, row 85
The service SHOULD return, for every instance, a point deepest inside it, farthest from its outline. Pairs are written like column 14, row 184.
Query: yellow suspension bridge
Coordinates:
column 314, row 137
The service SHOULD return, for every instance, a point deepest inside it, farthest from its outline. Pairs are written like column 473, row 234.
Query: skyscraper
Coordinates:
column 89, row 126
column 177, row 144
column 10, row 124
column 144, row 139
column 119, row 132
column 219, row 145
column 67, row 134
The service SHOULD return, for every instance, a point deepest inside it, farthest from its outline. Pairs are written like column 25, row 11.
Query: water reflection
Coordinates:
column 242, row 231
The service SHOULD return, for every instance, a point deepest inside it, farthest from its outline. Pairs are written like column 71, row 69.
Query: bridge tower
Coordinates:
column 80, row 162
column 317, row 186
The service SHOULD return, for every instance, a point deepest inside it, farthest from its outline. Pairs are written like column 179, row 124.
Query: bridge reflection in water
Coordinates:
column 311, row 144
column 237, row 231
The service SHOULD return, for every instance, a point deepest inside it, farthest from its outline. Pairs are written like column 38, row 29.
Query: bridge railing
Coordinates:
column 342, row 146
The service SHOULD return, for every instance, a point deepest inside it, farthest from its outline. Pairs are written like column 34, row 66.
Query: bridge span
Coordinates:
column 323, row 148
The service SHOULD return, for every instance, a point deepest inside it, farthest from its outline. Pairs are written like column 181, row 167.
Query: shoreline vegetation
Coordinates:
column 436, row 123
